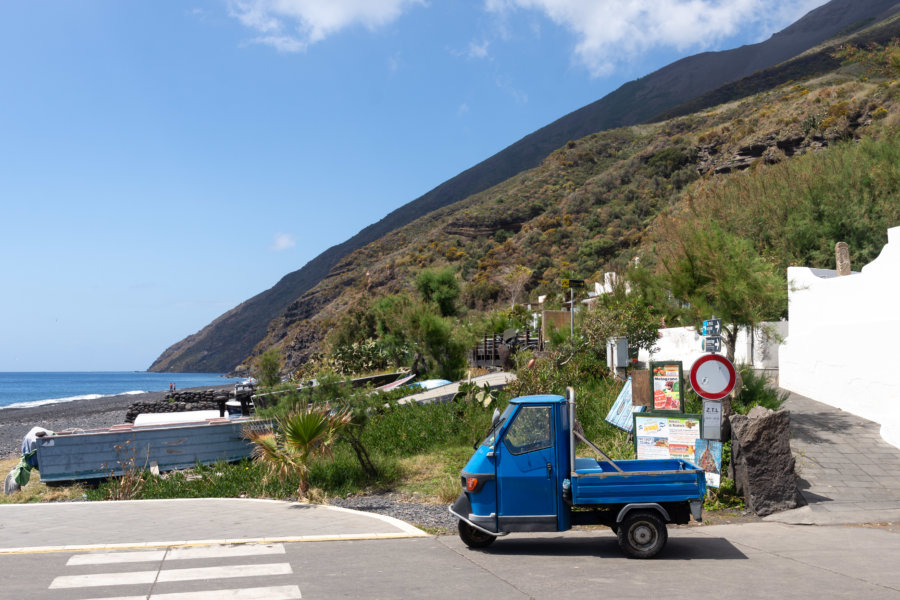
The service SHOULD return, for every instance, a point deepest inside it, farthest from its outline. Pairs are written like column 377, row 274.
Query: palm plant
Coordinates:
column 297, row 438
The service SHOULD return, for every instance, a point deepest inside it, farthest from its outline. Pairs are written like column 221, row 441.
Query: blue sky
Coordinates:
column 161, row 162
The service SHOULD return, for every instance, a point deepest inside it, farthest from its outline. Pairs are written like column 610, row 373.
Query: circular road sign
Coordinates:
column 713, row 376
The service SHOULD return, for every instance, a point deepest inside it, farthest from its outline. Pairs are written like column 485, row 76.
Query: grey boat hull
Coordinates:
column 100, row 453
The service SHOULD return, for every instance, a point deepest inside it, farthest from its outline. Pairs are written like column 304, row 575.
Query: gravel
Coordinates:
column 434, row 517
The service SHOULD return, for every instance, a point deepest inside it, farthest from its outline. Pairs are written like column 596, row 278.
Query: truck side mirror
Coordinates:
column 495, row 418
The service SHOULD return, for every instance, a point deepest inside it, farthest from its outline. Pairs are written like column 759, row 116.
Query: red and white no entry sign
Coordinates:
column 713, row 376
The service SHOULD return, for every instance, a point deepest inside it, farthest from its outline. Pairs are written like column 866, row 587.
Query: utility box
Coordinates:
column 617, row 353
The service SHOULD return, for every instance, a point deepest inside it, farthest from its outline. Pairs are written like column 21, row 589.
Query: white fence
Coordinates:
column 842, row 348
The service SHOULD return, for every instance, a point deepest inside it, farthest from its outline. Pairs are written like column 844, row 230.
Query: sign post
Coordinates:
column 572, row 284
column 712, row 377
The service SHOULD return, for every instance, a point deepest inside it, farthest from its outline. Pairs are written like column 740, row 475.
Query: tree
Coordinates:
column 713, row 272
column 411, row 332
column 620, row 313
column 269, row 366
column 516, row 278
column 439, row 287
column 299, row 437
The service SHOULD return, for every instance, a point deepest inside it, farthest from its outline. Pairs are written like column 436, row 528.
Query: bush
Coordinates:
column 757, row 390
column 439, row 287
column 269, row 366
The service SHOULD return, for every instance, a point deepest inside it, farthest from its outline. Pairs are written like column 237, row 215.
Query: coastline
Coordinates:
column 80, row 414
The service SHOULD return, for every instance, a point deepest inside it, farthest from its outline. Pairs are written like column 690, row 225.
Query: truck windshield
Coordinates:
column 491, row 438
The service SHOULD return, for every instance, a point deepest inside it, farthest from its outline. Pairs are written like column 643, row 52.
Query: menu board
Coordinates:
column 668, row 389
column 662, row 435
column 620, row 413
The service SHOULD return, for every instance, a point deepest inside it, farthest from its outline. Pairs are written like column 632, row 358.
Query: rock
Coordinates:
column 762, row 462
column 842, row 258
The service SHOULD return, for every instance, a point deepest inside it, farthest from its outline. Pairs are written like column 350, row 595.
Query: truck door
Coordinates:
column 526, row 475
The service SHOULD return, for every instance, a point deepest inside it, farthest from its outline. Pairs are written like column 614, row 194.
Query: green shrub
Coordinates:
column 757, row 390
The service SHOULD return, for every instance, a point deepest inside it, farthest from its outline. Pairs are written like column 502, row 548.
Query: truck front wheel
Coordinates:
column 642, row 534
column 474, row 538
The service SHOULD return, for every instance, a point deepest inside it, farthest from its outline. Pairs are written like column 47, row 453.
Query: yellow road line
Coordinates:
column 188, row 543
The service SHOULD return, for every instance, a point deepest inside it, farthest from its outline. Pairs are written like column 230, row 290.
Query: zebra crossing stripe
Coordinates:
column 170, row 575
column 284, row 592
column 189, row 553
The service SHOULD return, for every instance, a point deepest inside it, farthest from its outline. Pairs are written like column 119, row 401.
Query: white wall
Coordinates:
column 684, row 344
column 842, row 349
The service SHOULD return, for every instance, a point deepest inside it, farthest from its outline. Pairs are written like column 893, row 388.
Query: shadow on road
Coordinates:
column 694, row 548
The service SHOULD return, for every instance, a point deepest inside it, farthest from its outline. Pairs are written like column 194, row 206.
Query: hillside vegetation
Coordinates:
column 789, row 171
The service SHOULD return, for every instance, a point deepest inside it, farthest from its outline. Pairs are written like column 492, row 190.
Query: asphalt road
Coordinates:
column 756, row 560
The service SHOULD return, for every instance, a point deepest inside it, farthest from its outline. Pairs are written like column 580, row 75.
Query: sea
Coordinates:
column 36, row 389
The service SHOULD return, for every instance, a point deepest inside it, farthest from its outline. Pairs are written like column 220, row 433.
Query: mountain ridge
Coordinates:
column 227, row 341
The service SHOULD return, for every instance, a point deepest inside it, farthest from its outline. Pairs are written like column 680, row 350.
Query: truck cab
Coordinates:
column 524, row 477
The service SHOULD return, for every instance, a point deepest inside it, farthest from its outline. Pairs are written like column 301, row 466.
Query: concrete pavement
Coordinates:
column 847, row 473
column 70, row 526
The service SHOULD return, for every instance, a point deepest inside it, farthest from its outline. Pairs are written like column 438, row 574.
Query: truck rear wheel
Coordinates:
column 474, row 538
column 642, row 534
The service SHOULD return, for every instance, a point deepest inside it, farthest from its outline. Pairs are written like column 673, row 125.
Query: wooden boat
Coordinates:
column 100, row 453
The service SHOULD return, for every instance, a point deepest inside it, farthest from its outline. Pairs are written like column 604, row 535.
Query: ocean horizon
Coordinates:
column 24, row 389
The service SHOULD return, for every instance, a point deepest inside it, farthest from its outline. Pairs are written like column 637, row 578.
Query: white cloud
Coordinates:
column 283, row 241
column 611, row 32
column 293, row 25
column 478, row 50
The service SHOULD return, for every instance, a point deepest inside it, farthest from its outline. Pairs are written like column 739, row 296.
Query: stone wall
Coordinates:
column 180, row 402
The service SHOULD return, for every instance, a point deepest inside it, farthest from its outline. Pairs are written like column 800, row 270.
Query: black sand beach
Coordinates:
column 79, row 414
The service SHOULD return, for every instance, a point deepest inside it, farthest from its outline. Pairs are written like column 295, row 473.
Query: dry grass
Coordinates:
column 36, row 490
column 434, row 477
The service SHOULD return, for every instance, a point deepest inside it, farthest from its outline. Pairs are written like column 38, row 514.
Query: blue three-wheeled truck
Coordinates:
column 525, row 477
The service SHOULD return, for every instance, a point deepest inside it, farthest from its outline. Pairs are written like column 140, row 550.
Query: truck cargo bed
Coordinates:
column 669, row 480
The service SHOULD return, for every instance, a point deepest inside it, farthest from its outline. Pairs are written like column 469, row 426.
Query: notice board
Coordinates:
column 666, row 435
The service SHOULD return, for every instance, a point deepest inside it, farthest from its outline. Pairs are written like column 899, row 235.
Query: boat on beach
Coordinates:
column 112, row 451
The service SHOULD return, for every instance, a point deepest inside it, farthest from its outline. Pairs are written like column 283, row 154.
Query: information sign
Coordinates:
column 712, row 327
column 664, row 435
column 667, row 386
column 712, row 420
column 712, row 344
column 573, row 283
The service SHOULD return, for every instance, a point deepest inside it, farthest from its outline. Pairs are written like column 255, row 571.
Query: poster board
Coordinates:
column 661, row 435
column 668, row 386
column 620, row 414
column 708, row 456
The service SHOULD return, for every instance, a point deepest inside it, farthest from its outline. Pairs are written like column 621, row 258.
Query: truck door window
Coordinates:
column 492, row 434
column 530, row 431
